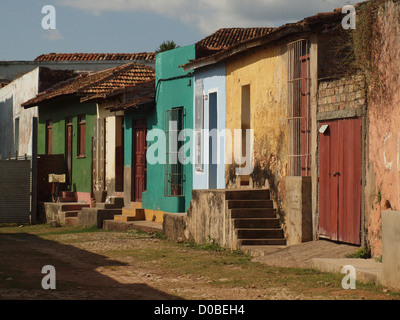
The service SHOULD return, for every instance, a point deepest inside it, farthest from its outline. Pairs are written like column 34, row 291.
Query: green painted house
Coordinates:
column 68, row 118
column 161, row 186
column 66, row 127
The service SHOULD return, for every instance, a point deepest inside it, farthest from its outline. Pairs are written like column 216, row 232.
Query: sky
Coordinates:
column 131, row 26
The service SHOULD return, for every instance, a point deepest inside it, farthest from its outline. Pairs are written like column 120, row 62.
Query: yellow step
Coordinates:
column 139, row 213
column 125, row 218
column 136, row 205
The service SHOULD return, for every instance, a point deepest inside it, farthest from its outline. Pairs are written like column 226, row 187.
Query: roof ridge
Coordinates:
column 92, row 56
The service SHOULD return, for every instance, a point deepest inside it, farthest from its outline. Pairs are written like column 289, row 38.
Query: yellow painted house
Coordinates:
column 271, row 89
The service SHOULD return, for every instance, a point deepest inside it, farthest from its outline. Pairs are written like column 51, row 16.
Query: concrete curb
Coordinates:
column 367, row 270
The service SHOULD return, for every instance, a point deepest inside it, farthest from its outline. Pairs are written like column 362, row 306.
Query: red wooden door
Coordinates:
column 340, row 181
column 140, row 149
column 68, row 148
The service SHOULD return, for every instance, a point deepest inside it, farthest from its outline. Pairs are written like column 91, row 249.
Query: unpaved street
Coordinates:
column 101, row 265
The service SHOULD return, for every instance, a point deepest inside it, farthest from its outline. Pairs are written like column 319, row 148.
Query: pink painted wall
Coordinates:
column 383, row 145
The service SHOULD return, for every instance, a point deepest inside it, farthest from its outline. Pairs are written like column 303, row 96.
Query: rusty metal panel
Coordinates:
column 15, row 191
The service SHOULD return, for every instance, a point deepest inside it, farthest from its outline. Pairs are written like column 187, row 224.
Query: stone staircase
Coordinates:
column 69, row 213
column 88, row 217
column 132, row 213
column 255, row 219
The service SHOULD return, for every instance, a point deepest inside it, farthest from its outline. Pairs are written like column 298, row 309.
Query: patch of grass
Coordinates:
column 361, row 253
column 147, row 235
column 211, row 246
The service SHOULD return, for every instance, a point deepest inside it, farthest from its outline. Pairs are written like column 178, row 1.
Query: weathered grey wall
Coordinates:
column 208, row 219
column 298, row 224
column 390, row 248
column 11, row 98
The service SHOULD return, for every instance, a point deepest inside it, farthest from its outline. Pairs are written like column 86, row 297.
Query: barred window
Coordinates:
column 199, row 125
column 81, row 136
column 299, row 116
column 173, row 168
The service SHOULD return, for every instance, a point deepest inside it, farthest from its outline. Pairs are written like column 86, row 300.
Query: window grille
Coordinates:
column 82, row 136
column 299, row 108
column 174, row 168
column 199, row 125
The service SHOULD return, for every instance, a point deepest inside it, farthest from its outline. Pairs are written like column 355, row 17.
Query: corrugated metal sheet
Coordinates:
column 15, row 191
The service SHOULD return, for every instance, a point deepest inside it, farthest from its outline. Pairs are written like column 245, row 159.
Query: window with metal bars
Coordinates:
column 81, row 136
column 199, row 125
column 174, row 168
column 299, row 116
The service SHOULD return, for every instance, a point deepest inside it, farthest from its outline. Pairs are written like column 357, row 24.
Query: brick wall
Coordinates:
column 341, row 94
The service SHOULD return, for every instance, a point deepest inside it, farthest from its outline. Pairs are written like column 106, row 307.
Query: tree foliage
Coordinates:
column 166, row 46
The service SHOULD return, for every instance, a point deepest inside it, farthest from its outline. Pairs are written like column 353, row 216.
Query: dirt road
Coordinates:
column 101, row 265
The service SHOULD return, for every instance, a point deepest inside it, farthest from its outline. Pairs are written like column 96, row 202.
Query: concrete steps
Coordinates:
column 70, row 211
column 132, row 213
column 101, row 212
column 254, row 217
column 71, row 221
column 256, row 223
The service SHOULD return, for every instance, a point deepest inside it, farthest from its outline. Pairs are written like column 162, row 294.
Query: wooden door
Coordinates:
column 68, row 148
column 140, row 168
column 340, row 181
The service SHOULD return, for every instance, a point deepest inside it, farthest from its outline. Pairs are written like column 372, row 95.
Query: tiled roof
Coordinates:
column 137, row 96
column 144, row 56
column 97, row 84
column 226, row 37
column 272, row 35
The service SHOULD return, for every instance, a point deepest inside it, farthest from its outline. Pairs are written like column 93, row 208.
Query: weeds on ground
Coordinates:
column 360, row 254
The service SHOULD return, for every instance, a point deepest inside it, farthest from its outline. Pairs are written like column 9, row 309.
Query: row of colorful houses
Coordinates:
column 317, row 144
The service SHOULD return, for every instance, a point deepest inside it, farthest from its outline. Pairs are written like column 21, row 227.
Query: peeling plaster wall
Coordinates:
column 11, row 98
column 383, row 155
column 265, row 69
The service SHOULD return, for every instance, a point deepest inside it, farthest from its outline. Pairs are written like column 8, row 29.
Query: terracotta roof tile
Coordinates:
column 142, row 94
column 302, row 25
column 97, row 84
column 226, row 37
column 145, row 56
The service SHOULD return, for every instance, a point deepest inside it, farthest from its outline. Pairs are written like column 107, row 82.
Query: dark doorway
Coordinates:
column 139, row 157
column 119, row 155
column 213, row 144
